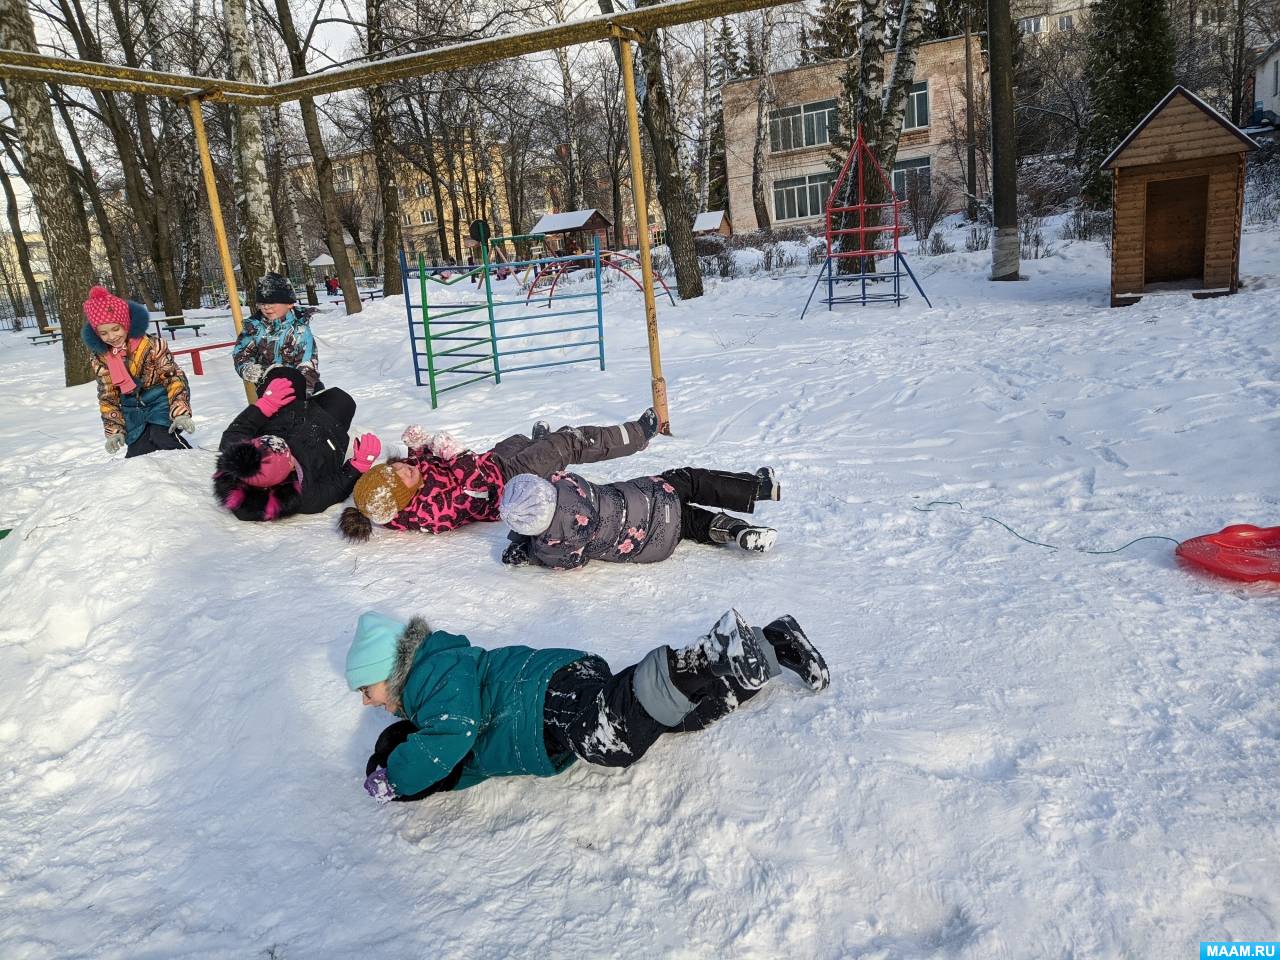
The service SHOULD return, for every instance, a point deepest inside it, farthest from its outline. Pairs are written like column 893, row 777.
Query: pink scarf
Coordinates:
column 116, row 366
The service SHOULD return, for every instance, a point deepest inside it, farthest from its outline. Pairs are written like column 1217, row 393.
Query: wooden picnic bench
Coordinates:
column 45, row 336
column 197, row 364
column 174, row 324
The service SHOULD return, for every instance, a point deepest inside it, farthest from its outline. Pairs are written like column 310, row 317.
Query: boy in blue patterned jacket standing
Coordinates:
column 277, row 334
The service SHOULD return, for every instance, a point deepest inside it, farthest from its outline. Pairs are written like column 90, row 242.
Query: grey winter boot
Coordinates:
column 732, row 648
column 726, row 528
column 540, row 430
column 795, row 652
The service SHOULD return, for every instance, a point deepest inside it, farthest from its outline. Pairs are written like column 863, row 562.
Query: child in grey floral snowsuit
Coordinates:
column 564, row 522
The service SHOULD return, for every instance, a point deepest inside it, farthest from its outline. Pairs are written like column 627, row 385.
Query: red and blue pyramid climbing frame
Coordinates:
column 864, row 261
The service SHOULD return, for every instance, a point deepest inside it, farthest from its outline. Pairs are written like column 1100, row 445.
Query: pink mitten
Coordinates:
column 279, row 394
column 365, row 451
column 444, row 446
column 414, row 437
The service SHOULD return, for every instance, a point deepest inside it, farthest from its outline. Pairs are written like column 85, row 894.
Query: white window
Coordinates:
column 819, row 122
column 917, row 114
column 407, row 220
column 1029, row 26
column 1066, row 22
column 907, row 172
column 428, row 216
column 801, row 197
column 786, row 129
column 422, row 188
column 811, row 125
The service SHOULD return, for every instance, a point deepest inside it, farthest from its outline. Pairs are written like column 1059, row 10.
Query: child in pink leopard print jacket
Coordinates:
column 440, row 486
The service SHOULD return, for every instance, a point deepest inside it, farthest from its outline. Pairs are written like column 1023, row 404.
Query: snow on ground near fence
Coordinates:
column 1023, row 752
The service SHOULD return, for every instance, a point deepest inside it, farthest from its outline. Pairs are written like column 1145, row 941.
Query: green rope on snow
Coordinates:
column 928, row 508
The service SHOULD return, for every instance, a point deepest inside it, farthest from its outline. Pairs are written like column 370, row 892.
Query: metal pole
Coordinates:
column 219, row 230
column 642, row 228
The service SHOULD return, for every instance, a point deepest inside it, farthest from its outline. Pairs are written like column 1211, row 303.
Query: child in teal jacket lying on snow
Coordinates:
column 471, row 714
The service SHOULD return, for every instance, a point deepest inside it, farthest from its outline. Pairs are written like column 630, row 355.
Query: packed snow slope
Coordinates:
column 1024, row 752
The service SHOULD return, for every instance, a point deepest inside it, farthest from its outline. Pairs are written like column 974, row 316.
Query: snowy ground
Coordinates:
column 1024, row 753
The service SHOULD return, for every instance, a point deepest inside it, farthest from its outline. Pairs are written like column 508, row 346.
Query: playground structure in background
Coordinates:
column 843, row 267
column 457, row 344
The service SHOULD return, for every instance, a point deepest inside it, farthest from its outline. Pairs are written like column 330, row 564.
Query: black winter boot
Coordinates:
column 726, row 528
column 797, row 653
column 540, row 430
column 767, row 486
column 730, row 649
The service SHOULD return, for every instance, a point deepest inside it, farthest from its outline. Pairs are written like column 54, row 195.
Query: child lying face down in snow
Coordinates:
column 471, row 714
column 566, row 521
column 439, row 486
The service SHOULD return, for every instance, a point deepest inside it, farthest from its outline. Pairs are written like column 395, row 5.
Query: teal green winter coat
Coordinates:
column 482, row 708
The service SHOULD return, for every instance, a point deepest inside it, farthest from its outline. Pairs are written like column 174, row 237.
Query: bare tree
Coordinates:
column 1005, row 256
column 66, row 237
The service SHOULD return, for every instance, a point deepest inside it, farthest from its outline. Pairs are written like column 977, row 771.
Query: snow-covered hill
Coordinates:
column 1024, row 752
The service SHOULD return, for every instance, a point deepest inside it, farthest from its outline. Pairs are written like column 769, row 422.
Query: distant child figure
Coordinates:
column 142, row 392
column 286, row 454
column 471, row 713
column 565, row 521
column 332, row 286
column 439, row 486
column 277, row 334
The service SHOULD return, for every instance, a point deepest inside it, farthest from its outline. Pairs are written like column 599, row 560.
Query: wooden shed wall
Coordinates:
column 1222, row 225
column 1181, row 131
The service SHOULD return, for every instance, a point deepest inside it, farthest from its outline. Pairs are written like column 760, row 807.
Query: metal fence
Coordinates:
column 17, row 310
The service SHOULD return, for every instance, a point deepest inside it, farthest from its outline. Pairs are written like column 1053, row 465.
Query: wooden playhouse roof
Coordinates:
column 1180, row 127
column 570, row 221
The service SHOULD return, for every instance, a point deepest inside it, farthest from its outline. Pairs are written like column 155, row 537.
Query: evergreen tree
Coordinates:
column 837, row 34
column 726, row 66
column 1130, row 67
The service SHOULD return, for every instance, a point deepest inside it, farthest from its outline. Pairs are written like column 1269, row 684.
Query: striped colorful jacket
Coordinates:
column 151, row 365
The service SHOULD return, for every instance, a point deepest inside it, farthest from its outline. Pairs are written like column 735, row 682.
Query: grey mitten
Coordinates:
column 251, row 373
column 114, row 442
column 182, row 425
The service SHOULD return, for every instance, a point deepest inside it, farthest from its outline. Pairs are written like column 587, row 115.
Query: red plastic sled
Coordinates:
column 1238, row 552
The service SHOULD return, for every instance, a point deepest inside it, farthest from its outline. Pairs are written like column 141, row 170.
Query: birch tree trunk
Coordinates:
column 574, row 197
column 321, row 165
column 259, row 244
column 48, row 178
column 1005, row 251
column 910, row 26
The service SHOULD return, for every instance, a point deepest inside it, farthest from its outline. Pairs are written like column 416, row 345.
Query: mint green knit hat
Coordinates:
column 373, row 651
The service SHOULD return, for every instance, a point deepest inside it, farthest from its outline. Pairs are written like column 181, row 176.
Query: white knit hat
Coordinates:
column 528, row 504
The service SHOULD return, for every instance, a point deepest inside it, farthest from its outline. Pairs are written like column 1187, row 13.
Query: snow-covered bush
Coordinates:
column 1086, row 224
column 979, row 237
column 1262, row 186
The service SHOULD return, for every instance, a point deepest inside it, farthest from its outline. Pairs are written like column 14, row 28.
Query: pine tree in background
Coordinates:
column 836, row 36
column 1130, row 67
column 726, row 66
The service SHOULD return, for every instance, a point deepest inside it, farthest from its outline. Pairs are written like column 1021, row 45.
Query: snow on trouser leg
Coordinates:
column 596, row 715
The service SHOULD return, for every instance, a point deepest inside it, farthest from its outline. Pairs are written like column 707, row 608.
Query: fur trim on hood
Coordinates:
column 406, row 648
column 139, row 321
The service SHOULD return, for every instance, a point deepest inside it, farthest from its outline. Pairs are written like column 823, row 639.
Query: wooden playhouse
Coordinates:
column 1178, row 202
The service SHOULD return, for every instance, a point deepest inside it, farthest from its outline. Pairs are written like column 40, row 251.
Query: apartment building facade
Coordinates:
column 802, row 121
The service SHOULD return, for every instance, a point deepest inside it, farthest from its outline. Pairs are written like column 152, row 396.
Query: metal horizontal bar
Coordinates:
column 435, row 339
column 461, row 366
column 537, row 297
column 471, row 54
column 543, row 333
column 545, row 261
column 453, row 351
column 544, row 316
column 554, row 346
column 554, row 363
column 470, row 325
column 452, row 310
column 455, row 386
